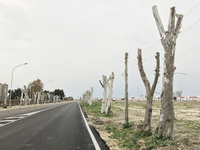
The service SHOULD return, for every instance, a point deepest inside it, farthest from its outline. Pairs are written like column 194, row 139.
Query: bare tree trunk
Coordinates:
column 126, row 88
column 149, row 91
column 21, row 99
column 57, row 98
column 49, row 97
column 110, row 86
column 5, row 90
column 88, row 96
column 26, row 98
column 35, row 98
column 54, row 99
column 42, row 97
column 91, row 96
column 168, row 40
column 38, row 97
column 104, row 101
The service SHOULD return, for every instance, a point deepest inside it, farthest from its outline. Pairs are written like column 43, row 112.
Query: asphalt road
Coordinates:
column 60, row 127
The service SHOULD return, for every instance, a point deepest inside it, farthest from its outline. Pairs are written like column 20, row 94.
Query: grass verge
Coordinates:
column 127, row 135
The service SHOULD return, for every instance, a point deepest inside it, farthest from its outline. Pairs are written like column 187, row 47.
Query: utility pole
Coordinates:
column 126, row 88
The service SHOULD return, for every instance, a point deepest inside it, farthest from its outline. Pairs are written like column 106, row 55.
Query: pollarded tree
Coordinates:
column 26, row 98
column 106, row 102
column 168, row 40
column 149, row 90
column 105, row 86
column 110, row 88
column 91, row 96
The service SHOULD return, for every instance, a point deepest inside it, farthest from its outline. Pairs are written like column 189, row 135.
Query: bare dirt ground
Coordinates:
column 187, row 123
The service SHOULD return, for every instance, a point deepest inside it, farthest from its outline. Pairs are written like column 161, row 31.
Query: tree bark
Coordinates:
column 110, row 86
column 26, row 98
column 21, row 99
column 126, row 89
column 38, row 97
column 104, row 101
column 91, row 96
column 168, row 40
column 35, row 98
column 5, row 90
column 149, row 91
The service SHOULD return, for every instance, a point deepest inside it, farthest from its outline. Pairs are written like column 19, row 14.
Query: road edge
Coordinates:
column 96, row 145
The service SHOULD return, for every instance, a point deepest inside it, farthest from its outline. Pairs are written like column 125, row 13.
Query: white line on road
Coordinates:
column 96, row 145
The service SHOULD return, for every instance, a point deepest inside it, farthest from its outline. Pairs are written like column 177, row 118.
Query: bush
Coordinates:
column 127, row 125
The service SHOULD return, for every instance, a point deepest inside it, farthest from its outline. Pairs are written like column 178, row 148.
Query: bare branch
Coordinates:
column 178, row 24
column 158, row 22
column 142, row 73
column 157, row 72
column 101, row 83
column 171, row 23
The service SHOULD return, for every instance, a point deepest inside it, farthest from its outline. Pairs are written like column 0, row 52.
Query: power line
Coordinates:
column 190, row 26
column 192, row 9
column 188, row 51
column 159, row 40
column 181, row 4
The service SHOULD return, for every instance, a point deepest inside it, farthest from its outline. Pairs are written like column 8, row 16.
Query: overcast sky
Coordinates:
column 74, row 42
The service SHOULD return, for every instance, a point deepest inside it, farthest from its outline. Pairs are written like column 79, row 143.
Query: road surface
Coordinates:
column 53, row 127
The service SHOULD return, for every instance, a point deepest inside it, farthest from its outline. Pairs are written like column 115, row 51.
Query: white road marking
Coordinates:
column 96, row 145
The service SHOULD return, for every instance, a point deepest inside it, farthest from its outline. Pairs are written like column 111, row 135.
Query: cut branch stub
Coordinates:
column 157, row 71
column 178, row 24
column 171, row 23
column 101, row 83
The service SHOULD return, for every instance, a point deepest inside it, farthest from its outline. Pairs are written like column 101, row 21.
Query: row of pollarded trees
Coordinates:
column 35, row 94
column 39, row 97
column 168, row 39
column 88, row 96
column 107, row 84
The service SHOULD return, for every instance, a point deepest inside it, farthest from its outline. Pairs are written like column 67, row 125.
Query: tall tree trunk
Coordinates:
column 5, row 90
column 21, row 99
column 149, row 91
column 26, row 98
column 38, row 97
column 168, row 40
column 49, row 97
column 126, row 88
column 104, row 101
column 35, row 98
column 91, row 96
column 110, row 86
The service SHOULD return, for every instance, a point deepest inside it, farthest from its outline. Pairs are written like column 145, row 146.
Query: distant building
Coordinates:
column 3, row 87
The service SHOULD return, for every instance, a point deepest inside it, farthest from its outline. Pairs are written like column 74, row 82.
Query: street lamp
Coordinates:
column 12, row 81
